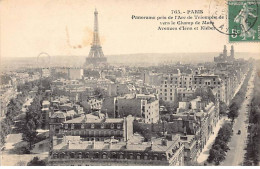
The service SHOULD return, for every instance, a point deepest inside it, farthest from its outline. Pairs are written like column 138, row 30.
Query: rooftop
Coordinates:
column 45, row 102
column 58, row 114
column 89, row 118
column 70, row 143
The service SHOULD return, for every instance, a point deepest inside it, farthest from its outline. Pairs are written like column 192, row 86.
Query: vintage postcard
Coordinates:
column 130, row 83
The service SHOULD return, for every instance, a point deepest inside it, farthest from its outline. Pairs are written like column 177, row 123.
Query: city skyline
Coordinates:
column 63, row 28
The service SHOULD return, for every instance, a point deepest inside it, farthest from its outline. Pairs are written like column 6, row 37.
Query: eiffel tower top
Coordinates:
column 96, row 41
column 96, row 55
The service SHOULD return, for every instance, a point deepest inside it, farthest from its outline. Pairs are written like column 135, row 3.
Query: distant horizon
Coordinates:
column 123, row 54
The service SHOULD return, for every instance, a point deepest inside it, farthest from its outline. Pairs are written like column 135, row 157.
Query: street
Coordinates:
column 237, row 144
column 205, row 152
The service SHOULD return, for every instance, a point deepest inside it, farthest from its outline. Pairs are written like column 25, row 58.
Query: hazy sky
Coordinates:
column 64, row 27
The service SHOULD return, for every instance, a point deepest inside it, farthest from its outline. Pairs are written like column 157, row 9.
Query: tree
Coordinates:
column 205, row 93
column 216, row 155
column 170, row 107
column 34, row 112
column 100, row 93
column 222, row 144
column 86, row 106
column 36, row 162
column 29, row 133
column 222, row 108
column 232, row 114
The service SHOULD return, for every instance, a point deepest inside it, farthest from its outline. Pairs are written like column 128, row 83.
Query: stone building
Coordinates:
column 142, row 106
column 91, row 127
column 159, row 152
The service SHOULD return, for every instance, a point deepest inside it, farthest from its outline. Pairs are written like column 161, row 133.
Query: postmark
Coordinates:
column 219, row 15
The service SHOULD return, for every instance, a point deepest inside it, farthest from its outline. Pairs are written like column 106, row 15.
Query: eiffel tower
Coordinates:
column 96, row 56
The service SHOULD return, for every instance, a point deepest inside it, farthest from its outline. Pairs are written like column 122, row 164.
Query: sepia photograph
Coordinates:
column 129, row 83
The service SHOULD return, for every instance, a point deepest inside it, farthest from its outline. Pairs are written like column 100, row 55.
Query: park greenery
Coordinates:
column 219, row 149
column 36, row 162
column 33, row 117
column 252, row 156
column 14, row 108
column 100, row 93
column 222, row 108
column 238, row 99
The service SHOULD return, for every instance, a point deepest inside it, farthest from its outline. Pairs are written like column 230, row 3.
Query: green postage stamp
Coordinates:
column 244, row 21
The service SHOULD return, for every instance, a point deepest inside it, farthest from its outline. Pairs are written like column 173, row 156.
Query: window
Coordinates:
column 80, row 155
column 104, row 156
column 102, row 125
column 114, row 155
column 87, row 155
column 72, row 155
column 62, row 155
column 66, row 126
column 72, row 126
column 118, row 126
column 92, row 126
column 112, row 126
column 138, row 156
column 82, row 126
column 96, row 155
column 55, row 155
column 163, row 157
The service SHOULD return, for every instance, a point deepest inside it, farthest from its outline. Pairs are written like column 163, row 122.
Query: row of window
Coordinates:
column 165, row 98
column 105, row 155
column 102, row 126
column 166, row 78
column 96, row 133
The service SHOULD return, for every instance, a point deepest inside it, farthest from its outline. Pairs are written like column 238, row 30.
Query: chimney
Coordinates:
column 151, row 145
column 126, row 145
column 110, row 145
column 93, row 144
